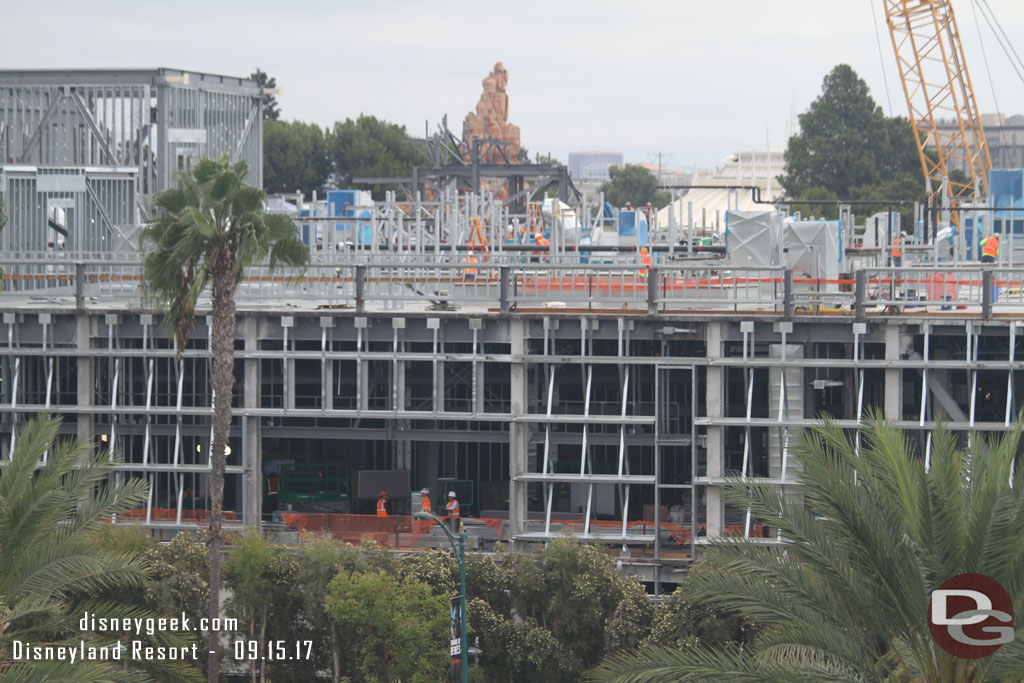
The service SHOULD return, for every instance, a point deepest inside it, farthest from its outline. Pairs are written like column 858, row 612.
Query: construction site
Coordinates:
column 562, row 365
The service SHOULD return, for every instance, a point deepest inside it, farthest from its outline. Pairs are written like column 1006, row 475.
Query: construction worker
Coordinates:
column 645, row 261
column 470, row 272
column 425, row 504
column 990, row 249
column 382, row 504
column 270, row 501
column 540, row 241
column 897, row 250
column 453, row 512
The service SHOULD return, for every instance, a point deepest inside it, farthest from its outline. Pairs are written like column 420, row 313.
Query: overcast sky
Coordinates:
column 695, row 80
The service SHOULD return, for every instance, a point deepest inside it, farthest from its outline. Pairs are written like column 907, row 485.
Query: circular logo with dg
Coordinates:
column 971, row 616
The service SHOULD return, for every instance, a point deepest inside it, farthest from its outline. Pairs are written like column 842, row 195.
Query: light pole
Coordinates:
column 460, row 551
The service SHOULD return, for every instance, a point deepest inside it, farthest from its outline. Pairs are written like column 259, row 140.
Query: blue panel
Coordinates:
column 627, row 222
column 305, row 226
column 340, row 203
column 726, row 232
column 364, row 233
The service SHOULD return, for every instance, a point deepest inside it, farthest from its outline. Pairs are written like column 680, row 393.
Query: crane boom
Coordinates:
column 937, row 86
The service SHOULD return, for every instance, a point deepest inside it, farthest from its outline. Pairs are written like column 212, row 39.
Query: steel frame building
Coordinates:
column 564, row 388
column 634, row 396
column 82, row 152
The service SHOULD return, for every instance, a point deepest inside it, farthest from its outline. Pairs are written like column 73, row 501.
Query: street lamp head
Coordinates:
column 422, row 516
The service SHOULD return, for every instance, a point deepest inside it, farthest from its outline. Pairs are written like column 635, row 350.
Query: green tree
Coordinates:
column 320, row 559
column 179, row 580
column 828, row 210
column 846, row 142
column 681, row 622
column 370, row 147
column 631, row 621
column 270, row 110
column 847, row 596
column 294, row 157
column 571, row 590
column 264, row 597
column 397, row 628
column 53, row 570
column 634, row 185
column 209, row 230
column 518, row 650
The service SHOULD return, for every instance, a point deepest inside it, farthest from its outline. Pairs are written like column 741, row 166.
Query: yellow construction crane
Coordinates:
column 938, row 88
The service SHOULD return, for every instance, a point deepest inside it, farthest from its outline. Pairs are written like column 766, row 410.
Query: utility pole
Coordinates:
column 659, row 155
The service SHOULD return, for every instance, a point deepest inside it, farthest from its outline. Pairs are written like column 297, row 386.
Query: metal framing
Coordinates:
column 573, row 418
column 139, row 125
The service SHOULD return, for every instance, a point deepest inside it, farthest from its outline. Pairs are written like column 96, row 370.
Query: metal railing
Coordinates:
column 503, row 286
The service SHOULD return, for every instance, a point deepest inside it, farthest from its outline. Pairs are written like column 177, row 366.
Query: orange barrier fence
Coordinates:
column 396, row 531
column 171, row 515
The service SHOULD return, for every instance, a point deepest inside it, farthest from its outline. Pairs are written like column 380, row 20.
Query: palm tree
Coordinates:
column 846, row 596
column 211, row 228
column 52, row 570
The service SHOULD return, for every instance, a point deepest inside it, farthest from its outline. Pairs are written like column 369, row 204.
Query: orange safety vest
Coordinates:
column 471, row 271
column 425, row 505
column 382, row 509
column 453, row 508
column 991, row 247
column 542, row 241
column 897, row 252
column 645, row 260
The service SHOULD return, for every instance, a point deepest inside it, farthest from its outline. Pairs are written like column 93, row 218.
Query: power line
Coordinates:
column 659, row 155
column 984, row 54
column 878, row 41
column 1003, row 33
column 1001, row 38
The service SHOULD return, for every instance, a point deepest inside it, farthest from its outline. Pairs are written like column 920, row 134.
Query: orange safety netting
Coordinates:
column 171, row 515
column 396, row 531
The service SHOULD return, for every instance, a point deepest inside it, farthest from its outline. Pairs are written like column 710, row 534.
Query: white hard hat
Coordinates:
column 451, row 494
column 425, row 491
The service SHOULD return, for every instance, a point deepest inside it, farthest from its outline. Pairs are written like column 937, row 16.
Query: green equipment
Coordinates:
column 313, row 483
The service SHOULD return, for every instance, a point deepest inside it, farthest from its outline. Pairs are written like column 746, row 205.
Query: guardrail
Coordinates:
column 601, row 287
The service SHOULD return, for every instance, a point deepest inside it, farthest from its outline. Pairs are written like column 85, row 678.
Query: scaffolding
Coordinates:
column 621, row 419
column 67, row 134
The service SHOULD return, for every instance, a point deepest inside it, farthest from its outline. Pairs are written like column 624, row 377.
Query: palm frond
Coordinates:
column 871, row 534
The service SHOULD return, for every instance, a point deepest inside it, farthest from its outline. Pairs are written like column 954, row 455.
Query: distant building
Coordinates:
column 1005, row 138
column 667, row 177
column 592, row 166
column 707, row 205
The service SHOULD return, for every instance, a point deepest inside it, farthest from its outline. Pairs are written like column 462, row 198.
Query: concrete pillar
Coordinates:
column 715, row 444
column 894, row 346
column 518, row 449
column 252, row 438
column 86, row 382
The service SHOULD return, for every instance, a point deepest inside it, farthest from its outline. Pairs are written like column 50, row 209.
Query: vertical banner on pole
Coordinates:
column 456, row 638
